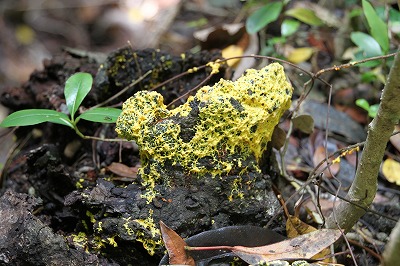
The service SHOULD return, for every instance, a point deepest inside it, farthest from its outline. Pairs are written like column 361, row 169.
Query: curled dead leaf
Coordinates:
column 175, row 246
column 123, row 170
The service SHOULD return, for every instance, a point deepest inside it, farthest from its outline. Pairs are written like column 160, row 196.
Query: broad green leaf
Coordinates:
column 360, row 55
column 394, row 18
column 366, row 43
column 35, row 116
column 263, row 16
column 378, row 28
column 101, row 115
column 76, row 89
column 289, row 26
column 305, row 15
column 363, row 104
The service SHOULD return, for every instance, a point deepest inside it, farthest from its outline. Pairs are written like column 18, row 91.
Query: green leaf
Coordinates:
column 366, row 43
column 363, row 104
column 305, row 15
column 373, row 110
column 76, row 89
column 360, row 55
column 101, row 115
column 368, row 76
column 378, row 28
column 289, row 26
column 30, row 117
column 263, row 16
column 355, row 12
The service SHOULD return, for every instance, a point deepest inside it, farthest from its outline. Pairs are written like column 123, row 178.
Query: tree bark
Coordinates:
column 364, row 186
column 391, row 256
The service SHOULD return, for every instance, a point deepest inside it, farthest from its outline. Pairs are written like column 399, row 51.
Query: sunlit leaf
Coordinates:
column 373, row 110
column 35, row 116
column 363, row 104
column 289, row 26
column 391, row 170
column 378, row 28
column 101, row 115
column 299, row 55
column 76, row 88
column 366, row 43
column 263, row 16
column 305, row 15
column 232, row 51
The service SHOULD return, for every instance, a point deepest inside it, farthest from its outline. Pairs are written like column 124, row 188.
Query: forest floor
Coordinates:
column 76, row 201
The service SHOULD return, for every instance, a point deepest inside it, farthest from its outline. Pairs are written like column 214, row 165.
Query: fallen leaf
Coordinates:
column 391, row 170
column 301, row 247
column 356, row 113
column 220, row 36
column 278, row 138
column 304, row 123
column 296, row 227
column 123, row 170
column 339, row 122
column 175, row 246
column 326, row 206
column 299, row 55
column 232, row 51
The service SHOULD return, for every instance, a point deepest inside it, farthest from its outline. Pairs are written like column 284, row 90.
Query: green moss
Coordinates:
column 233, row 118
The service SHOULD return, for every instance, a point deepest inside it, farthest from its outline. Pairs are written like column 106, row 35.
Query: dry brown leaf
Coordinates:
column 122, row 170
column 175, row 246
column 296, row 227
column 301, row 247
column 326, row 206
column 278, row 138
column 356, row 113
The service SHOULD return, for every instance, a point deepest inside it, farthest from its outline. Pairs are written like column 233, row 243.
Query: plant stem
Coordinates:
column 365, row 183
column 391, row 256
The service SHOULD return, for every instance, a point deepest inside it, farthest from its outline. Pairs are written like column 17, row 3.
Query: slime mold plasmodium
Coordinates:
column 213, row 133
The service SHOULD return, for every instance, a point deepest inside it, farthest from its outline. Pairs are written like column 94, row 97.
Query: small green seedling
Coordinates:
column 76, row 89
column 371, row 109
